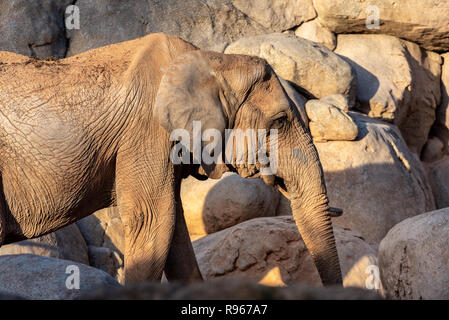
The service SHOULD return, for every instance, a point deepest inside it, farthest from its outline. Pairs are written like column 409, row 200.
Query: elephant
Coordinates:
column 93, row 130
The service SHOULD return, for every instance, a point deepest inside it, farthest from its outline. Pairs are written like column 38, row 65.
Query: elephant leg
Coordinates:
column 147, row 207
column 181, row 263
column 2, row 214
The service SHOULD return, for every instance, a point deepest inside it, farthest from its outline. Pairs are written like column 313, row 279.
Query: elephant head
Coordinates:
column 243, row 92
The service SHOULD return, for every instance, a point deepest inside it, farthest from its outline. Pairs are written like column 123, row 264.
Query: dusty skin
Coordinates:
column 82, row 133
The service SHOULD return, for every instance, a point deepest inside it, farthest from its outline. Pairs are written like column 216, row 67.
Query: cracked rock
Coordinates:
column 412, row 262
column 271, row 251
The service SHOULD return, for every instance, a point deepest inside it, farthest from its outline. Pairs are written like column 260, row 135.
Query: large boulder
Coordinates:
column 230, row 289
column 438, row 173
column 104, row 235
column 209, row 25
column 66, row 243
column 309, row 65
column 213, row 205
column 423, row 22
column 441, row 125
column 328, row 122
column 44, row 278
column 375, row 179
column 271, row 251
column 397, row 81
column 413, row 260
column 33, row 28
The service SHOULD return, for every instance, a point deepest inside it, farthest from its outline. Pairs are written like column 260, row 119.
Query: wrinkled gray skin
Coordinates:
column 80, row 134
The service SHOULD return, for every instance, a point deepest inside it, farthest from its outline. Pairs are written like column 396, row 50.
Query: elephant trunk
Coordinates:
column 303, row 177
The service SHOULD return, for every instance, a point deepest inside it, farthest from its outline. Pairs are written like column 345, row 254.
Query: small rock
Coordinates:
column 329, row 123
column 338, row 100
column 314, row 31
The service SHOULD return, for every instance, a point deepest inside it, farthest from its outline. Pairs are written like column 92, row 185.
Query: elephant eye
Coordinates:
column 279, row 122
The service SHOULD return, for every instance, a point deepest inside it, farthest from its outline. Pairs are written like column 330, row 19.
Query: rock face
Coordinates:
column 271, row 251
column 66, row 243
column 314, row 31
column 33, row 28
column 210, row 25
column 213, row 205
column 104, row 235
column 397, row 82
column 229, row 289
column 423, row 22
column 412, row 261
column 441, row 125
column 277, row 15
column 305, row 63
column 375, row 179
column 438, row 173
column 44, row 278
column 329, row 123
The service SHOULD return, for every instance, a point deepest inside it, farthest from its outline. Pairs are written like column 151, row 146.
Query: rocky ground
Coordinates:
column 375, row 101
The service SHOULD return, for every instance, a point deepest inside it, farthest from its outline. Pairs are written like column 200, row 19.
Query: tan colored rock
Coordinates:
column 104, row 235
column 213, row 205
column 66, row 243
column 329, row 123
column 423, row 22
column 438, row 173
column 375, row 179
column 298, row 100
column 277, row 15
column 441, row 126
column 337, row 100
column 397, row 82
column 271, row 250
column 309, row 65
column 314, row 31
column 413, row 258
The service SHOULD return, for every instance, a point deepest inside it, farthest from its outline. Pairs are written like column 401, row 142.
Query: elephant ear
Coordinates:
column 190, row 91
